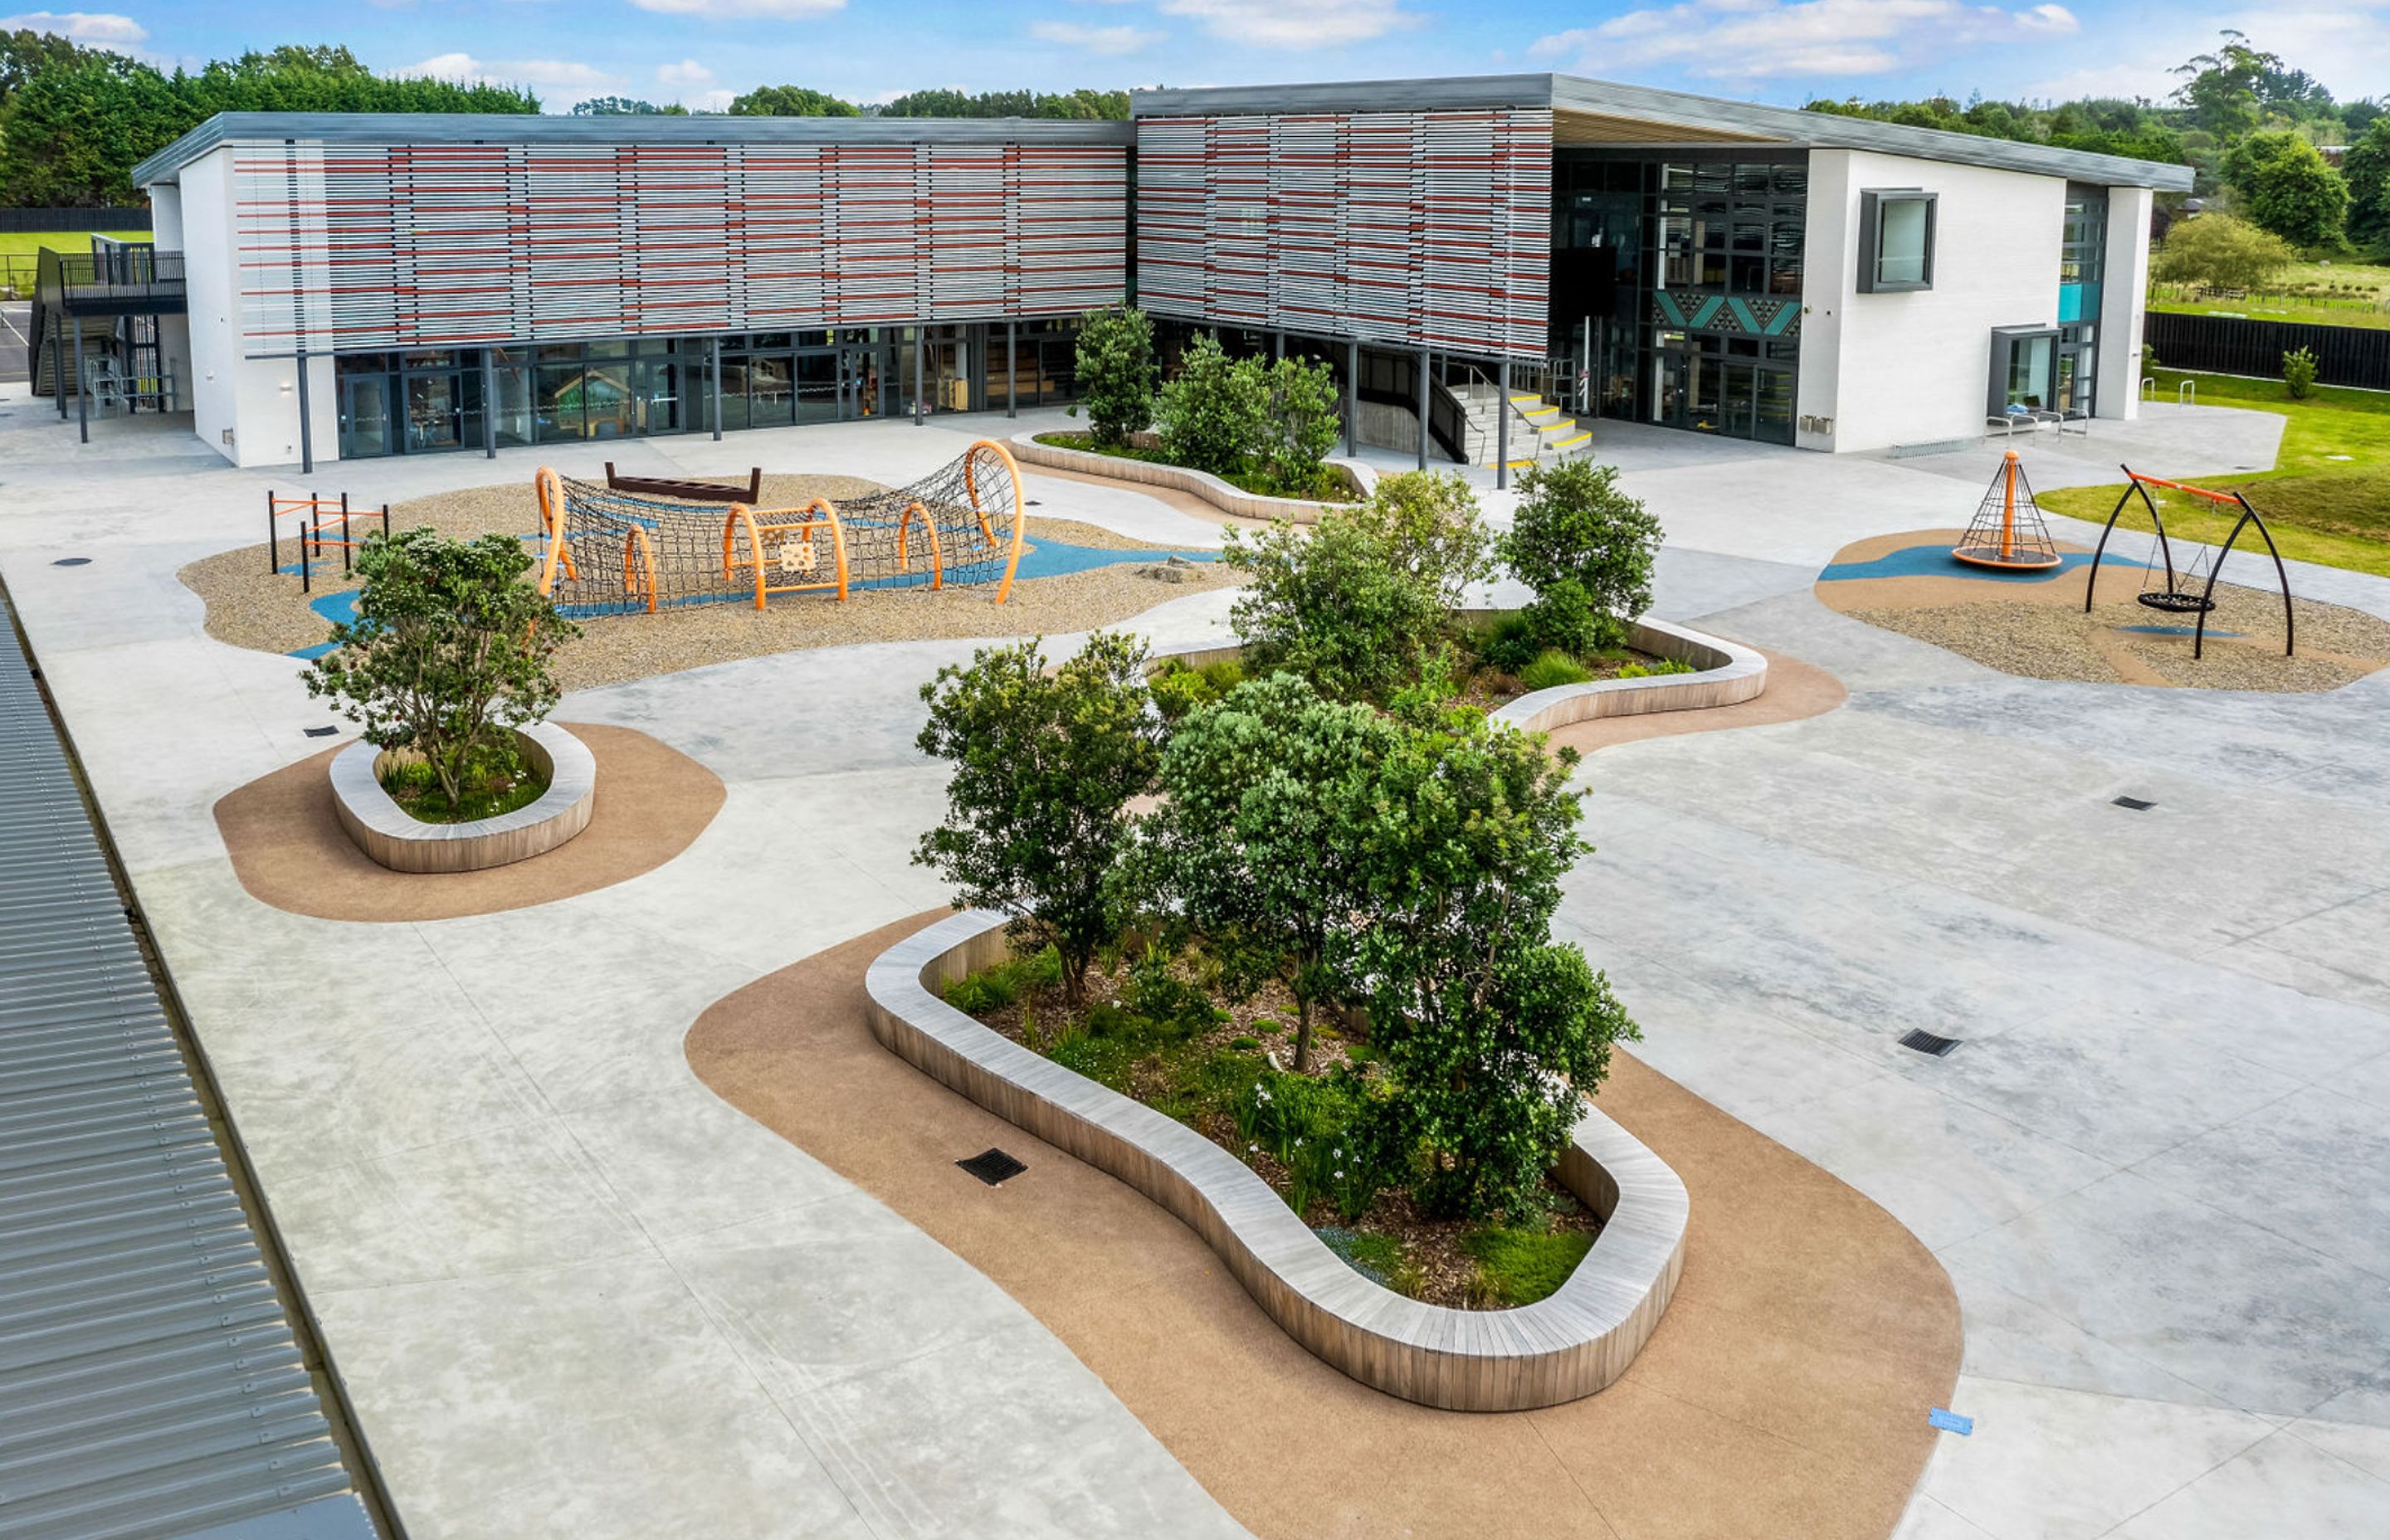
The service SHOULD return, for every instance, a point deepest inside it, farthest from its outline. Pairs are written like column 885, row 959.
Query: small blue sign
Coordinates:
column 1951, row 1422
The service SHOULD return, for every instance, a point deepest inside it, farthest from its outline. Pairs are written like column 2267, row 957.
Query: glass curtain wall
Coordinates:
column 2082, row 266
column 1677, row 287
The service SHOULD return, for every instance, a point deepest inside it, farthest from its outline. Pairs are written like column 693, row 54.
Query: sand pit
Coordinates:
column 1784, row 1394
column 2033, row 625
column 250, row 607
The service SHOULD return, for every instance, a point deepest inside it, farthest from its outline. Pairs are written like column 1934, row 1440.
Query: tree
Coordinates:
column 2219, row 251
column 2288, row 187
column 1299, row 422
column 2366, row 168
column 449, row 651
column 1587, row 548
column 1259, row 837
column 791, row 101
column 1491, row 1031
column 1338, row 607
column 1045, row 764
column 1083, row 105
column 1433, row 530
column 1211, row 416
column 1116, row 374
column 626, row 107
column 23, row 53
column 2221, row 89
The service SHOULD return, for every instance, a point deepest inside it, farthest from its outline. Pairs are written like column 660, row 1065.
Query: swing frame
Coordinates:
column 2138, row 484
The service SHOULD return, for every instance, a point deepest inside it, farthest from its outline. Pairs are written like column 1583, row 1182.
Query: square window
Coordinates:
column 1895, row 240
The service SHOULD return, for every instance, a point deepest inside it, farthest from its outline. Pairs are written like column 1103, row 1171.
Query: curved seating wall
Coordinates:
column 1565, row 1346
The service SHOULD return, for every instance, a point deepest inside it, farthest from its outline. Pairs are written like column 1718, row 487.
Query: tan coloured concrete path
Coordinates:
column 288, row 850
column 1795, row 690
column 1784, row 1394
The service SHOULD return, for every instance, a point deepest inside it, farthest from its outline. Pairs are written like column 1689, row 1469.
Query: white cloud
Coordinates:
column 560, row 74
column 2345, row 43
column 1095, row 40
column 772, row 10
column 1295, row 23
column 688, row 72
column 1763, row 39
column 92, row 29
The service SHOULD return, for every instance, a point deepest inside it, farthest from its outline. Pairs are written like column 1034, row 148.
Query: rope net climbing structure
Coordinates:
column 617, row 553
column 2008, row 531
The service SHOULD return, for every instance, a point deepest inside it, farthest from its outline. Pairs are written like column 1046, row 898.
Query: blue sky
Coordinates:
column 701, row 52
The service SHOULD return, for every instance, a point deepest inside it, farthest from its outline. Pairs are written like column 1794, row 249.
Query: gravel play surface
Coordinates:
column 2039, row 628
column 253, row 608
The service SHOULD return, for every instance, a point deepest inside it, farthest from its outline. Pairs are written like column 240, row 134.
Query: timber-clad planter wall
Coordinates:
column 1729, row 674
column 388, row 833
column 1202, row 483
column 1561, row 1348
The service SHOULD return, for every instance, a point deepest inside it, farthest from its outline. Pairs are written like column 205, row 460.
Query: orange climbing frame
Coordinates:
column 1020, row 507
column 791, row 532
column 905, row 548
column 638, row 551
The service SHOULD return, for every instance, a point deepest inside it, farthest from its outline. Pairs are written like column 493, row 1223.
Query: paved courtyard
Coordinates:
column 572, row 1292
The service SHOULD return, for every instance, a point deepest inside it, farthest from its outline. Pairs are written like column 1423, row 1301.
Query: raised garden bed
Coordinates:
column 1139, row 465
column 392, row 836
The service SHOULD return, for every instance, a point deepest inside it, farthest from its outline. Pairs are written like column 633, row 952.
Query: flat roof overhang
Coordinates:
column 1587, row 112
column 503, row 128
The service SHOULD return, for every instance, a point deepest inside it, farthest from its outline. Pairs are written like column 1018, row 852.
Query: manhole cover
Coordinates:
column 993, row 1166
column 2135, row 804
column 1926, row 1042
column 71, row 562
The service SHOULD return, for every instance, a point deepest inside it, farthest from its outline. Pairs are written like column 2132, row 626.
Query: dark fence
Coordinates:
column 2224, row 344
column 25, row 221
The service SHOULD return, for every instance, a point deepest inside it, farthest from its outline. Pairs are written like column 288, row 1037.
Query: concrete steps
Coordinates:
column 1539, row 430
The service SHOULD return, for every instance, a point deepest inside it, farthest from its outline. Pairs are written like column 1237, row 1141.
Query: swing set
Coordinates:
column 2188, row 591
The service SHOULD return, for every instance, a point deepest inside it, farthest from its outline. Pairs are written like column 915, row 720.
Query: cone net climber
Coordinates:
column 2009, row 531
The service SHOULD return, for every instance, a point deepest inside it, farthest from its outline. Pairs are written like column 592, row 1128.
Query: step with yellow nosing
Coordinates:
column 1577, row 442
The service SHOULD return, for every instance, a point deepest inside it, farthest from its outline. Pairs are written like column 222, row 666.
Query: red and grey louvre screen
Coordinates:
column 1423, row 229
column 345, row 247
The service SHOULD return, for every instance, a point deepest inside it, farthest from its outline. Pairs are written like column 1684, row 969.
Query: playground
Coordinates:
column 659, row 584
column 2137, row 608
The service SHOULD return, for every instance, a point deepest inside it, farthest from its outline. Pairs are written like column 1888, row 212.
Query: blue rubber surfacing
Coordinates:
column 1936, row 560
column 1042, row 558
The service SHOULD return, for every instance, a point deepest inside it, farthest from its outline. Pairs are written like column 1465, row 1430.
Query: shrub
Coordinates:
column 995, row 988
column 1657, row 666
column 1178, row 689
column 1299, row 422
column 1433, row 530
column 1257, row 842
column 2288, row 187
column 2299, row 373
column 1044, row 768
column 1553, row 667
column 449, row 652
column 1337, row 606
column 2219, row 251
column 1507, row 642
column 1322, row 1130
column 1585, row 547
column 1211, row 417
column 1116, row 374
column 1518, row 1266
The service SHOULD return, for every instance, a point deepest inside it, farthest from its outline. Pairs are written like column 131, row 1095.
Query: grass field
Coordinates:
column 2328, row 498
column 2360, row 297
column 14, row 244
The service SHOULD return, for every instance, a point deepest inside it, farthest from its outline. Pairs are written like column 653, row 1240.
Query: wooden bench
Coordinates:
column 687, row 491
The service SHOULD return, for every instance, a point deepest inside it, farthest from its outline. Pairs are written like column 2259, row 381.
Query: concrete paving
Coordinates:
column 574, row 1293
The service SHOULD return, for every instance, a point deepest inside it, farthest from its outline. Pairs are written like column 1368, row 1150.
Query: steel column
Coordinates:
column 1422, row 407
column 1502, row 425
column 57, row 367
column 714, row 381
column 83, row 399
column 307, row 427
column 1012, row 368
column 489, row 406
column 920, row 374
column 1353, row 398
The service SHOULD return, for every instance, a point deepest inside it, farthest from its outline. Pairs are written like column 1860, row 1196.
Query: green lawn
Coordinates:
column 2328, row 498
column 25, row 244
column 2316, row 293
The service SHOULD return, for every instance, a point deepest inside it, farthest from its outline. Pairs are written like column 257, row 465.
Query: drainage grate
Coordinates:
column 993, row 1166
column 1926, row 1042
column 320, row 732
column 2136, row 804
column 71, row 562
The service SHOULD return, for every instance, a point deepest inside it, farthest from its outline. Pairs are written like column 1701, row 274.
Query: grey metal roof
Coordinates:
column 503, row 128
column 152, row 1385
column 1678, row 109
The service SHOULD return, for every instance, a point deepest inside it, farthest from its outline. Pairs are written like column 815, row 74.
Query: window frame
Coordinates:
column 1871, row 205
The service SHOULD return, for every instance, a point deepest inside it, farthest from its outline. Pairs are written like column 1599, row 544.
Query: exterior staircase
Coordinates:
column 1539, row 430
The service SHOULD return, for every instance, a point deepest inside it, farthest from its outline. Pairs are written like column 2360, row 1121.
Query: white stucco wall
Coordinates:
column 1914, row 368
column 245, row 410
column 2124, row 305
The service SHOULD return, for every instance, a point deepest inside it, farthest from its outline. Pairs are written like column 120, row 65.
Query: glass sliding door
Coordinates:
column 818, row 397
column 365, row 416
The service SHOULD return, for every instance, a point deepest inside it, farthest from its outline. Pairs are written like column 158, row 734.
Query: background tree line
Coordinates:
column 2252, row 128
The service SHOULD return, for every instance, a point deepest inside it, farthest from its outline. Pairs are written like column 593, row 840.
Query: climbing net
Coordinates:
column 617, row 553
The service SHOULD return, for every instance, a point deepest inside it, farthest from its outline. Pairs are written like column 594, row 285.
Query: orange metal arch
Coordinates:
column 1020, row 507
column 818, row 514
column 641, row 573
column 904, row 553
column 550, row 488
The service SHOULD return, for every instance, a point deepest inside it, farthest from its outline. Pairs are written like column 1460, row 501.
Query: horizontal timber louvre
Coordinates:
column 1420, row 229
column 346, row 247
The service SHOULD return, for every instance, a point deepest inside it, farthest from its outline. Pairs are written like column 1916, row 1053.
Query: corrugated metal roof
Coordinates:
column 152, row 1385
column 1706, row 115
column 629, row 128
